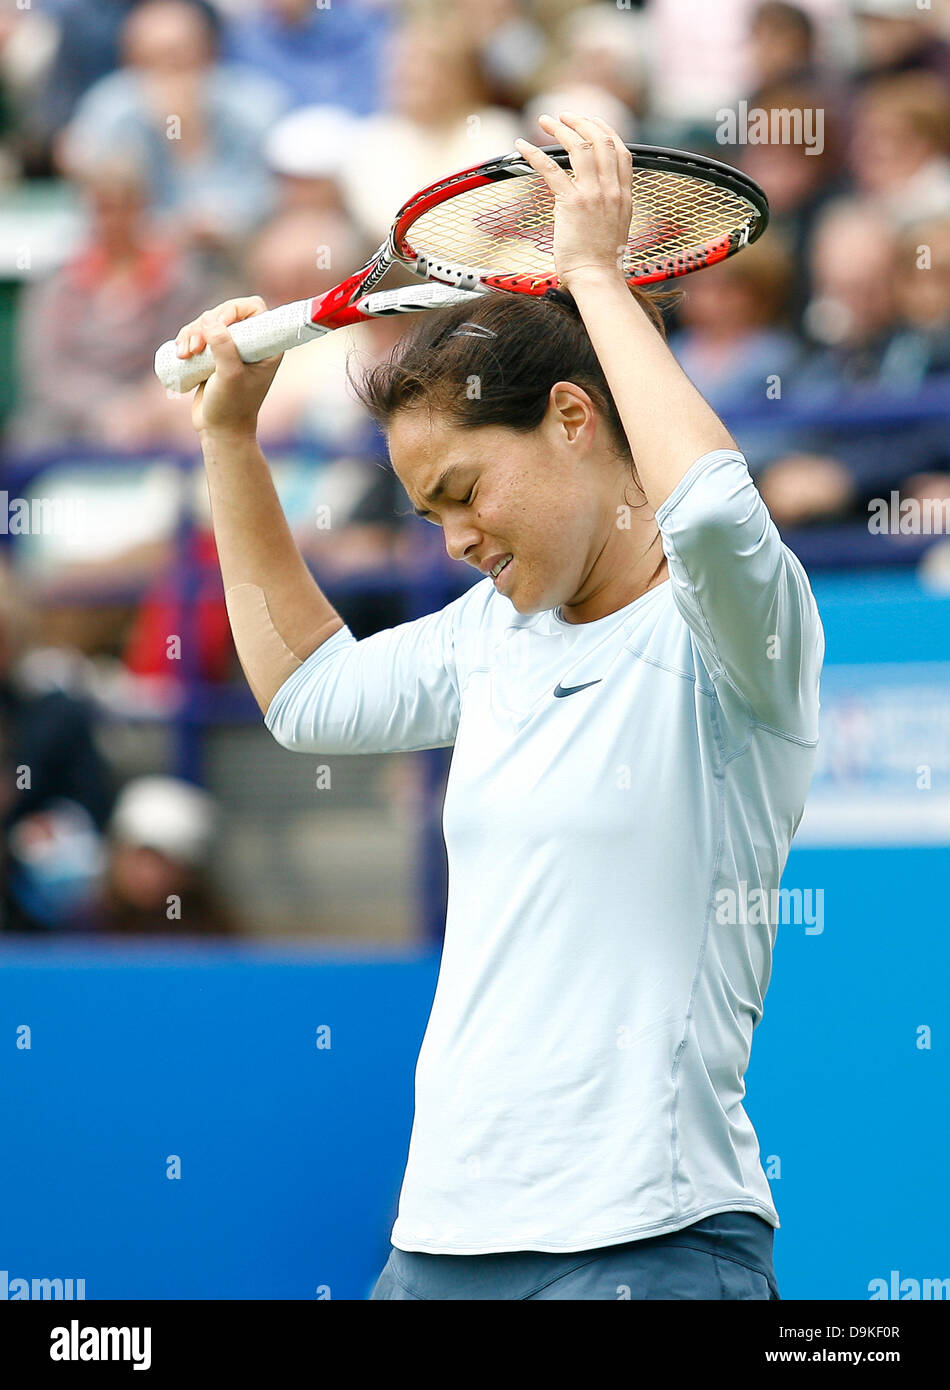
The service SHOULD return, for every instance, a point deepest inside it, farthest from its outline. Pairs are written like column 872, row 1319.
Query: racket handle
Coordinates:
column 260, row 336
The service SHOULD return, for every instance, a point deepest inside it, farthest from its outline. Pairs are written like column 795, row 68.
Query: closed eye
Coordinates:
column 464, row 502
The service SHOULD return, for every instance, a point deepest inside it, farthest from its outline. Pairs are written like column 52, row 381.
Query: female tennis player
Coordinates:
column 631, row 694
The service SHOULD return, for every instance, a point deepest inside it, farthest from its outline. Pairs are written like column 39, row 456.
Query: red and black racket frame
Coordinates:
column 336, row 308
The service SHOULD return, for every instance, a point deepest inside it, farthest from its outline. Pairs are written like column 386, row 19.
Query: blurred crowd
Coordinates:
column 157, row 156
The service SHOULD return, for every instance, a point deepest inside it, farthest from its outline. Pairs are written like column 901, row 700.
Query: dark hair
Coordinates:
column 515, row 346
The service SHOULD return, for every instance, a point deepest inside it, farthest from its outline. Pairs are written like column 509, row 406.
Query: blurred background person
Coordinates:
column 706, row 57
column 698, row 63
column 897, row 36
column 900, row 146
column 79, row 44
column 10, row 157
column 921, row 347
column 734, row 340
column 734, row 326
column 330, row 53
column 87, row 332
column 782, row 47
column 850, row 320
column 194, row 124
column 511, row 41
column 436, row 117
column 799, row 182
column 853, row 322
column 599, row 47
column 852, row 316
column 306, row 151
column 57, row 789
column 156, row 877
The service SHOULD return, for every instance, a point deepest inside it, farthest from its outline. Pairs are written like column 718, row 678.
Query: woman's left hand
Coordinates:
column 592, row 210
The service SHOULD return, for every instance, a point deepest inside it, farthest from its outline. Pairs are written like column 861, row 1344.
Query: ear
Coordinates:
column 571, row 409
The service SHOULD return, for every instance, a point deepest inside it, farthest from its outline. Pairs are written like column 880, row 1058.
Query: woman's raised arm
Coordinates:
column 278, row 613
column 667, row 422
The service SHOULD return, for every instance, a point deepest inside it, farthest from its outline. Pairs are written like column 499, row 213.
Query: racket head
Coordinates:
column 492, row 225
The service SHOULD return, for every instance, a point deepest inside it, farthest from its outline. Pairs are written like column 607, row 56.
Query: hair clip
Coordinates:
column 478, row 331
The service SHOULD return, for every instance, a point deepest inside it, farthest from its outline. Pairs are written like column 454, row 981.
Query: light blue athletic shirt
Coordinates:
column 580, row 1082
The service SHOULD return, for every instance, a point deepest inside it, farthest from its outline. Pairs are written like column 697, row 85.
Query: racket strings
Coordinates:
column 508, row 227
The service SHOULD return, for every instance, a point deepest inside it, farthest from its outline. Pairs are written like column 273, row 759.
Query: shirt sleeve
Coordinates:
column 396, row 691
column 744, row 594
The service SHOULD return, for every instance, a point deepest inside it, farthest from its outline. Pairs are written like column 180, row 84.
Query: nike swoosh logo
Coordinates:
column 561, row 690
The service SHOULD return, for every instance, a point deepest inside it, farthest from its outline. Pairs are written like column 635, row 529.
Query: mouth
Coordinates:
column 502, row 568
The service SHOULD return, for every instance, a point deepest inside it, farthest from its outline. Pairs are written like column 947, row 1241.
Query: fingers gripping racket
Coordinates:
column 491, row 227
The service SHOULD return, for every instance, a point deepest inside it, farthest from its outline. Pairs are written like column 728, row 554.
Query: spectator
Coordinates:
column 828, row 472
column 511, row 44
column 900, row 149
column 195, row 125
column 853, row 314
column 698, row 62
column 156, row 878
column 436, row 121
column 318, row 53
column 306, row 151
column 798, row 181
column 56, row 788
column 86, row 49
column 898, row 36
column 921, row 349
column 781, row 46
column 734, row 341
column 605, row 49
column 88, row 333
column 733, row 323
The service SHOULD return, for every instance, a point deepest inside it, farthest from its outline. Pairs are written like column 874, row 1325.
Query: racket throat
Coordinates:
column 445, row 272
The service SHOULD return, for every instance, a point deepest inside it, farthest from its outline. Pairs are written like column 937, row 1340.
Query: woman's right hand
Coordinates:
column 228, row 402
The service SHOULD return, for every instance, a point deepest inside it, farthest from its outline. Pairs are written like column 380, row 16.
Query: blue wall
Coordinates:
column 291, row 1156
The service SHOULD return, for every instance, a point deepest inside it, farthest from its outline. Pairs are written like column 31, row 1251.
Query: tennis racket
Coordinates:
column 491, row 227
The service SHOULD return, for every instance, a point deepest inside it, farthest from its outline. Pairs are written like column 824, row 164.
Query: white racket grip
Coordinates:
column 262, row 335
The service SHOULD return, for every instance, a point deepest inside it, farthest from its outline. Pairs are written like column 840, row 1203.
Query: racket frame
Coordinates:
column 336, row 308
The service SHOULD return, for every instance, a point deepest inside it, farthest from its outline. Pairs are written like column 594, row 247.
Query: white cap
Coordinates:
column 311, row 142
column 163, row 813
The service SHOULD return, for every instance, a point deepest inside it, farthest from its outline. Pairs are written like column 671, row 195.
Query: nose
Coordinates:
column 460, row 542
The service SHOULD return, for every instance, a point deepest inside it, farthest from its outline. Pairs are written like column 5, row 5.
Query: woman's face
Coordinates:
column 547, row 497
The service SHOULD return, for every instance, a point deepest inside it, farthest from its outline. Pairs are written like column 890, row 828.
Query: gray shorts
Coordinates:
column 728, row 1255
